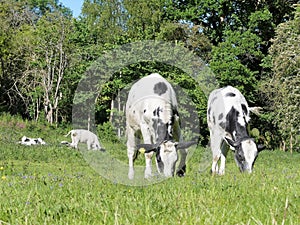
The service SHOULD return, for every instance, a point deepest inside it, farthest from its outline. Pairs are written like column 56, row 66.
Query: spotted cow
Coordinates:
column 31, row 141
column 228, row 115
column 152, row 116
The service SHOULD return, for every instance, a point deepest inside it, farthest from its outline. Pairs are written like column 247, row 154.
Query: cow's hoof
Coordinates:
column 131, row 174
column 148, row 176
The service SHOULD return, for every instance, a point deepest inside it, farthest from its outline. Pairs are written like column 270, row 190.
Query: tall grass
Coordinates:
column 54, row 184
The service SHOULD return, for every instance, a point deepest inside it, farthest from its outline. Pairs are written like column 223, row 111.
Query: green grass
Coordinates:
column 56, row 185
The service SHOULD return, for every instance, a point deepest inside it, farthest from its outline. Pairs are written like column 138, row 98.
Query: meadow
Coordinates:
column 54, row 184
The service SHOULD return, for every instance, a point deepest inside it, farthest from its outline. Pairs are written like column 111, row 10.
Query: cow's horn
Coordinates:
column 232, row 142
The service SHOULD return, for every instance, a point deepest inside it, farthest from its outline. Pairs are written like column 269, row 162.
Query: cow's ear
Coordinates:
column 260, row 147
column 183, row 145
column 230, row 142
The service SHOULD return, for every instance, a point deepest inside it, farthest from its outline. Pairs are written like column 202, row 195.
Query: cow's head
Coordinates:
column 246, row 152
column 166, row 154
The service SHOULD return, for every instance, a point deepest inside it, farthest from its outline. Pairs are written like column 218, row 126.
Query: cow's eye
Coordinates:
column 239, row 155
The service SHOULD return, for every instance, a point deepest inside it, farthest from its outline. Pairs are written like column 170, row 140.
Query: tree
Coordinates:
column 234, row 61
column 15, row 19
column 283, row 87
column 34, row 56
column 54, row 51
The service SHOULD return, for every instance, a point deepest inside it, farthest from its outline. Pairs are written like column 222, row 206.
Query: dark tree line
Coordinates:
column 253, row 45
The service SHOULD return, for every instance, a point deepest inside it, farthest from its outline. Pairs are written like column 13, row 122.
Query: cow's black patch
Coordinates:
column 240, row 158
column 181, row 172
column 230, row 94
column 145, row 110
column 159, row 161
column 158, row 158
column 209, row 110
column 161, row 130
column 157, row 111
column 221, row 116
column 26, row 140
column 233, row 125
column 214, row 99
column 245, row 109
column 160, row 88
column 223, row 125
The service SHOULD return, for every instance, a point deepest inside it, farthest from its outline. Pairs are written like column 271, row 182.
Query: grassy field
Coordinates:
column 56, row 185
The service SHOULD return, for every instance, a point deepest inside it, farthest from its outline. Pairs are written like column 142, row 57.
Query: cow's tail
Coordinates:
column 68, row 133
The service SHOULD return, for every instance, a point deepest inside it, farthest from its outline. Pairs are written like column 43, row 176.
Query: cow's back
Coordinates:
column 221, row 102
column 228, row 112
column 153, row 86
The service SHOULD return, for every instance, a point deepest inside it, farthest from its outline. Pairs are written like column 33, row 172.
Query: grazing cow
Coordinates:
column 228, row 117
column 31, row 141
column 151, row 114
column 84, row 136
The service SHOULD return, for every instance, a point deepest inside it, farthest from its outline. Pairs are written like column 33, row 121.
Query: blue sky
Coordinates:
column 74, row 5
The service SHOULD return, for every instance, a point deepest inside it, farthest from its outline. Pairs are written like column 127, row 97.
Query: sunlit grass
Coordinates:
column 54, row 184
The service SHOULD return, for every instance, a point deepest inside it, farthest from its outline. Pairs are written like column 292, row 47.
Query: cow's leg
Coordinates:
column 130, row 151
column 88, row 145
column 130, row 154
column 75, row 141
column 148, row 169
column 182, row 167
column 215, row 143
column 214, row 166
column 224, row 150
column 148, row 156
column 76, row 144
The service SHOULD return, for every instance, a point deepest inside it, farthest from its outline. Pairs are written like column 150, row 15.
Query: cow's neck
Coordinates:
column 240, row 132
column 236, row 125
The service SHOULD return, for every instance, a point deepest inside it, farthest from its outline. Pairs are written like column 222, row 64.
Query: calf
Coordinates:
column 84, row 136
column 228, row 117
column 151, row 114
column 31, row 141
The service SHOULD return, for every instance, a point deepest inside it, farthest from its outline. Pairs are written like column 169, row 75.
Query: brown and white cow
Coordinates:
column 152, row 116
column 228, row 115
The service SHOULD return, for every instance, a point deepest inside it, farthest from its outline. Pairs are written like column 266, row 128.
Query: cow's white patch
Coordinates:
column 168, row 155
column 84, row 136
column 250, row 153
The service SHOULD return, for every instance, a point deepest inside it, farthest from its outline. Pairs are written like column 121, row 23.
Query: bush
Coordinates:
column 107, row 133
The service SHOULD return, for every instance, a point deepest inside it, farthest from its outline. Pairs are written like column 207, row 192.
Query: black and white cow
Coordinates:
column 228, row 115
column 151, row 115
column 31, row 141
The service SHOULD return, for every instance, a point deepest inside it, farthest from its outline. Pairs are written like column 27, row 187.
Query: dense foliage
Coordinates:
column 283, row 86
column 44, row 53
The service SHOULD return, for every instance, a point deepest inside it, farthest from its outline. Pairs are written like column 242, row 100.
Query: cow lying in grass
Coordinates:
column 31, row 141
column 83, row 136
